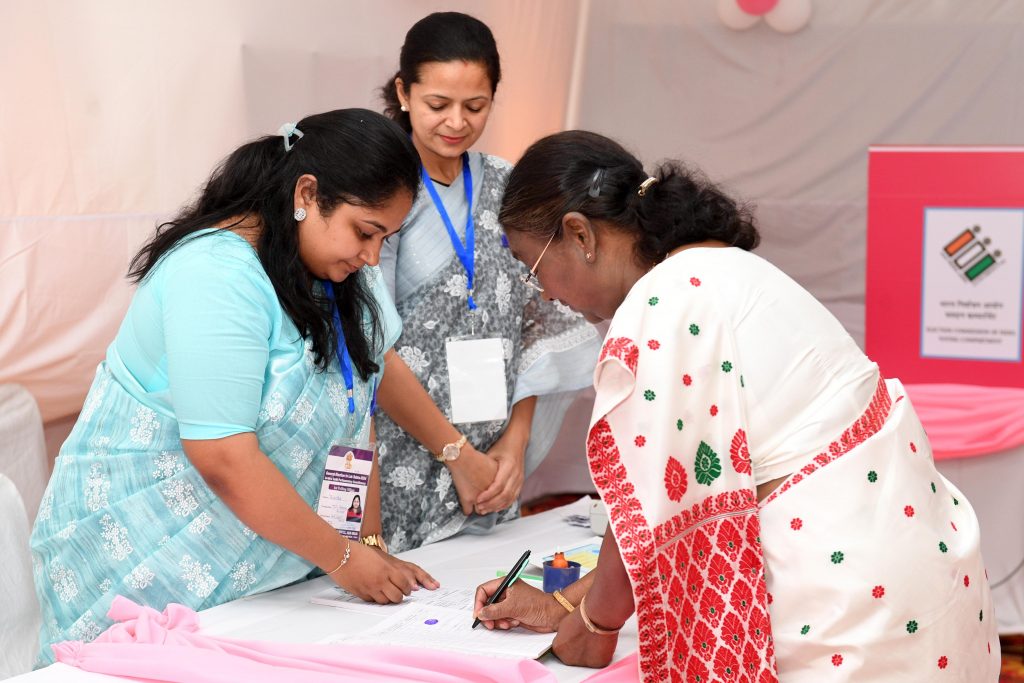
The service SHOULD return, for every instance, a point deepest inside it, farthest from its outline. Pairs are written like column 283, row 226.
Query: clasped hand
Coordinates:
column 488, row 482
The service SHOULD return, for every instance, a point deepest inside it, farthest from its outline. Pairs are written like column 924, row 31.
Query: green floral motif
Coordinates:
column 956, row 502
column 649, row 395
column 805, row 630
column 933, row 487
column 872, row 476
column 742, row 385
column 726, row 366
column 837, row 557
column 679, row 425
column 694, row 330
column 911, row 626
column 706, row 466
column 942, row 546
column 653, row 301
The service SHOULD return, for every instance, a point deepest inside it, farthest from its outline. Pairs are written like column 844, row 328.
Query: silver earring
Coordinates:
column 300, row 214
column 589, row 256
column 404, row 108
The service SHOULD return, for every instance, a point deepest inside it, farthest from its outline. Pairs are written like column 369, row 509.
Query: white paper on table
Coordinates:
column 450, row 598
column 444, row 628
column 476, row 375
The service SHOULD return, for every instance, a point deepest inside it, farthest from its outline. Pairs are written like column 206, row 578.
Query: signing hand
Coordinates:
column 377, row 577
column 522, row 605
column 508, row 481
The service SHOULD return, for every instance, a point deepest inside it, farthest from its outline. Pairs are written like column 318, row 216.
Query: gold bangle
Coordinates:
column 563, row 601
column 590, row 625
column 344, row 560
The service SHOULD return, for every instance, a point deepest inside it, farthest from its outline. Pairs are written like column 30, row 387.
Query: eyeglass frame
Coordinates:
column 530, row 279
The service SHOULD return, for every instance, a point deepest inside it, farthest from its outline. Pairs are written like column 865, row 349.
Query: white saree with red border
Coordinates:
column 863, row 565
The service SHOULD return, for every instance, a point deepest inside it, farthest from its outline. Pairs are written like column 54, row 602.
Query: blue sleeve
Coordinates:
column 220, row 313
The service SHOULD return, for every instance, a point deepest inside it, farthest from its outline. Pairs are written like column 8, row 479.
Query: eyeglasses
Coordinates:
column 530, row 279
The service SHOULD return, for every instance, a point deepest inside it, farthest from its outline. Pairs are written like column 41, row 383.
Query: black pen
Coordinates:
column 509, row 578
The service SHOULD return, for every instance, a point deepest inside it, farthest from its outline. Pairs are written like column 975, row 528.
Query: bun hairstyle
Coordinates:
column 357, row 157
column 440, row 37
column 595, row 176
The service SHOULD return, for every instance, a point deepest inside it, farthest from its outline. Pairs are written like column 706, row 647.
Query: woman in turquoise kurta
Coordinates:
column 195, row 466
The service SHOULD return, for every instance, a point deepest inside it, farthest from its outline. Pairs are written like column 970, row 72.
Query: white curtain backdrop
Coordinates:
column 113, row 111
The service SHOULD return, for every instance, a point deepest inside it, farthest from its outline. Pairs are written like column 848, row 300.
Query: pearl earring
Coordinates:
column 589, row 256
column 300, row 214
column 404, row 108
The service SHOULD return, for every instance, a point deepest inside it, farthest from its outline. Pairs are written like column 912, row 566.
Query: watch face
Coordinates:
column 450, row 452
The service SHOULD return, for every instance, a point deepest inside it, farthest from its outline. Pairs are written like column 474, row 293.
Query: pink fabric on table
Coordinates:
column 626, row 670
column 147, row 645
column 963, row 420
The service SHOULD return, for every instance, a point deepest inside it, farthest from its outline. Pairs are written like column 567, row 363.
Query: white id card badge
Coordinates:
column 476, row 375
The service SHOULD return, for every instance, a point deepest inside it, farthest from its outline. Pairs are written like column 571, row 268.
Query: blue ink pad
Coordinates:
column 430, row 622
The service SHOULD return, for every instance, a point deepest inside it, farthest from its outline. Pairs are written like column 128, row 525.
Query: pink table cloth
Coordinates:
column 963, row 420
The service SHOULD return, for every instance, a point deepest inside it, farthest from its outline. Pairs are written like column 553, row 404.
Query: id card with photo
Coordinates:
column 343, row 491
column 476, row 375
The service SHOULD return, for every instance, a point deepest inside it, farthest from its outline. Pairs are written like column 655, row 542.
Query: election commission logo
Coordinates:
column 972, row 255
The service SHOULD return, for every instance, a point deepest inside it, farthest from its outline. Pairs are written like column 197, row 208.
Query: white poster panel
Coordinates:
column 973, row 277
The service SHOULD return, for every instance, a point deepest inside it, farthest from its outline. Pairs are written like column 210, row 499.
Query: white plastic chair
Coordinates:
column 19, row 617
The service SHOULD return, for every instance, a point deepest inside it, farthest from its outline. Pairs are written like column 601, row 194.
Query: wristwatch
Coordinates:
column 375, row 541
column 451, row 451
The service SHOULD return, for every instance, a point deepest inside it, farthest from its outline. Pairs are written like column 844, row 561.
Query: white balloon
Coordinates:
column 733, row 17
column 789, row 16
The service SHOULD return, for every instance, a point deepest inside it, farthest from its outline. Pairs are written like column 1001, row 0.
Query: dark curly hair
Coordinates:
column 440, row 37
column 594, row 175
column 357, row 157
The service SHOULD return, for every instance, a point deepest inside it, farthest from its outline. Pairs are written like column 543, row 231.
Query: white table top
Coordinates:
column 286, row 615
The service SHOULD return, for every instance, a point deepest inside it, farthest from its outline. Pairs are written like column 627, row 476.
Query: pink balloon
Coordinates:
column 757, row 7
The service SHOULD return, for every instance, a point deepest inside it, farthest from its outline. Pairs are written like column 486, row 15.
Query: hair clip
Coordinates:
column 595, row 184
column 287, row 130
column 646, row 185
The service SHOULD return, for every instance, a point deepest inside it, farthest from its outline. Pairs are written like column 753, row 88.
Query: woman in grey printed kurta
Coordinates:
column 549, row 351
column 442, row 95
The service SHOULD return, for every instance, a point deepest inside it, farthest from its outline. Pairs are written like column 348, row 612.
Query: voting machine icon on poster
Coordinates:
column 972, row 254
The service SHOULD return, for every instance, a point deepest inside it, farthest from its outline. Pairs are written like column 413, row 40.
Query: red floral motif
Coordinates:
column 878, row 591
column 967, row 581
column 675, row 479
column 703, row 640
column 714, row 410
column 622, row 348
column 640, row 441
column 954, row 526
column 750, row 565
column 727, row 666
column 796, row 524
column 653, row 345
column 700, row 548
column 687, row 380
column 943, row 662
column 688, row 618
column 695, row 282
column 728, row 540
column 913, row 448
column 733, row 632
column 751, row 659
column 759, row 627
column 908, row 510
column 741, row 597
column 837, row 660
column 739, row 453
column 721, row 573
column 712, row 606
column 694, row 583
column 696, row 671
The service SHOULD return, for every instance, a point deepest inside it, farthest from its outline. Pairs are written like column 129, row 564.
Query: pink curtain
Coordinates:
column 147, row 645
column 964, row 420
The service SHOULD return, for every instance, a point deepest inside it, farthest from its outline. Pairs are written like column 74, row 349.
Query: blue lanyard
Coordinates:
column 344, row 360
column 465, row 253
